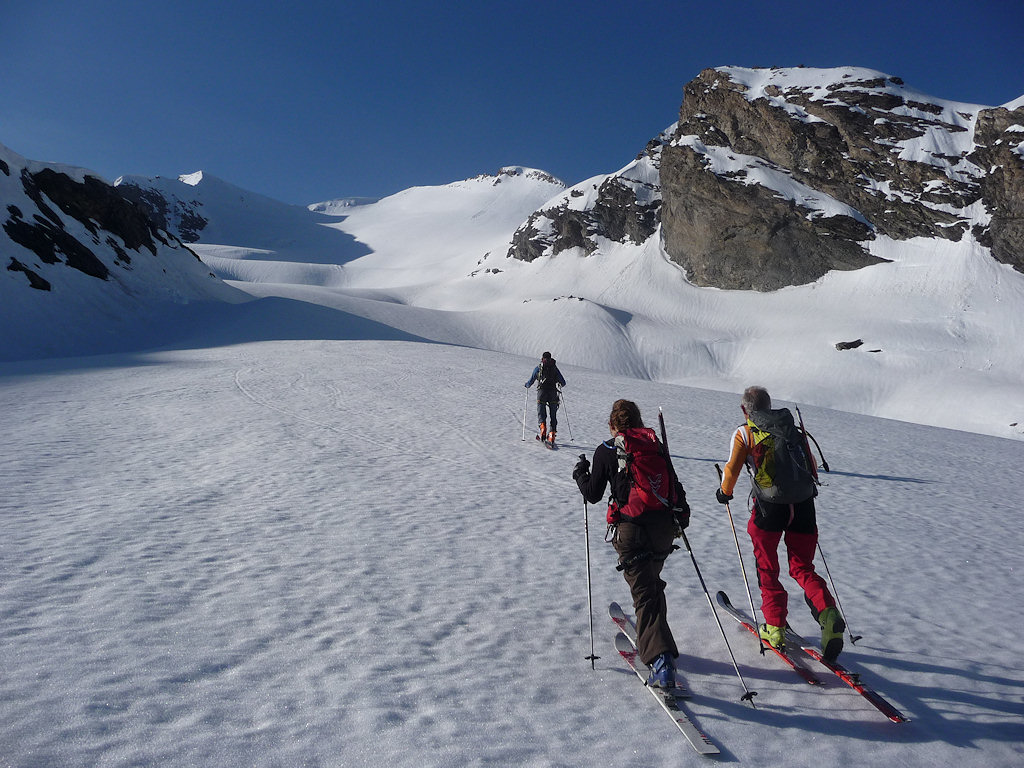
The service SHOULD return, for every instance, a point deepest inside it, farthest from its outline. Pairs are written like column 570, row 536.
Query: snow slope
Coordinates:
column 939, row 322
column 343, row 553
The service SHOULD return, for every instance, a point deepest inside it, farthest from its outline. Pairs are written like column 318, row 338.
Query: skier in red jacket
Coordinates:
column 642, row 543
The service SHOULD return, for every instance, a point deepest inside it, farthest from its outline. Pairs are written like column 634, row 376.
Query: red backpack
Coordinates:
column 652, row 484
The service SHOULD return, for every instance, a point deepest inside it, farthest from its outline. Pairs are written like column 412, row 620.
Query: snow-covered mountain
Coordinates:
column 603, row 273
column 200, row 207
column 85, row 271
column 774, row 177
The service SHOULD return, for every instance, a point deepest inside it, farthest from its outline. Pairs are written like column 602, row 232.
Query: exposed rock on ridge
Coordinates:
column 775, row 177
column 171, row 215
column 623, row 207
column 55, row 217
column 999, row 148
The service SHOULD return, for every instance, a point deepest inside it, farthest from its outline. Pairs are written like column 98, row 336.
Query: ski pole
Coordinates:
column 568, row 423
column 743, row 570
column 749, row 695
column 590, row 594
column 853, row 639
column 526, row 404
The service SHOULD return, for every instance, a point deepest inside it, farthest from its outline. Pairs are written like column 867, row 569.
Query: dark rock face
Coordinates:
column 999, row 139
column 112, row 222
column 738, row 236
column 49, row 240
column 115, row 229
column 775, row 184
column 34, row 279
column 170, row 216
column 842, row 141
column 623, row 207
column 98, row 206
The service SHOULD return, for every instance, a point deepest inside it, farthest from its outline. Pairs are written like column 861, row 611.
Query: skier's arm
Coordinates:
column 737, row 457
column 592, row 485
column 533, row 377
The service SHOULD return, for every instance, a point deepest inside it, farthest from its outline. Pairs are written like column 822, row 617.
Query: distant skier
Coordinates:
column 548, row 379
column 643, row 531
column 771, row 521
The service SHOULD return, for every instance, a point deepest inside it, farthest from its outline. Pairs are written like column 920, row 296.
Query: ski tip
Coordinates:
column 623, row 644
column 723, row 598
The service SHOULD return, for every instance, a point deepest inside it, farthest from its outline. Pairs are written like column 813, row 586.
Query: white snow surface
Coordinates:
column 344, row 553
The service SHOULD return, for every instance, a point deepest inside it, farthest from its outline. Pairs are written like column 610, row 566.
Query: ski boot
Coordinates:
column 663, row 672
column 551, row 438
column 774, row 636
column 832, row 628
column 543, row 432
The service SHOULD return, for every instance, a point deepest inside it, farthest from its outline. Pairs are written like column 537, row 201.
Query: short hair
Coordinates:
column 756, row 399
column 625, row 415
column 546, row 356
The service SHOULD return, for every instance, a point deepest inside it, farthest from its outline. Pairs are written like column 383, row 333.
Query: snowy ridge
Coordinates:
column 125, row 300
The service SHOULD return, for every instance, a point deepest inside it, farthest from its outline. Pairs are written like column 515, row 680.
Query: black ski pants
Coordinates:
column 642, row 547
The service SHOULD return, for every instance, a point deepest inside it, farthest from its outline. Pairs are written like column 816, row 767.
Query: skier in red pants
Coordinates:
column 771, row 523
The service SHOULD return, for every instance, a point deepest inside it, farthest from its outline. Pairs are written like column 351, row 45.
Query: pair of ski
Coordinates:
column 852, row 679
column 671, row 699
column 546, row 443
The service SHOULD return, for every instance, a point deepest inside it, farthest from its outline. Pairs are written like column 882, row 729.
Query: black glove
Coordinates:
column 582, row 469
column 722, row 496
column 682, row 519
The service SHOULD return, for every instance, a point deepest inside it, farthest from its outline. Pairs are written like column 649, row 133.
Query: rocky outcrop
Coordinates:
column 183, row 217
column 53, row 216
column 999, row 148
column 111, row 221
column 773, row 177
column 623, row 207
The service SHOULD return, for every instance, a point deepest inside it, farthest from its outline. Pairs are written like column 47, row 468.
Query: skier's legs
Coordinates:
column 774, row 600
column 800, row 548
column 644, row 548
column 553, row 411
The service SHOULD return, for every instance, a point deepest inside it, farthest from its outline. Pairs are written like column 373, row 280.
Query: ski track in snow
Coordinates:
column 344, row 554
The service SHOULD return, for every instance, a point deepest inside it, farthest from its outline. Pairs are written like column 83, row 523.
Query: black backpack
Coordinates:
column 546, row 378
column 783, row 466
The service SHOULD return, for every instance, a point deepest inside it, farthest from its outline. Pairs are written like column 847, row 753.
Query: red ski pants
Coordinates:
column 800, row 549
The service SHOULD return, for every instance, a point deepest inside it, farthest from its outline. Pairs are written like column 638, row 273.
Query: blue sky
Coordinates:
column 317, row 100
